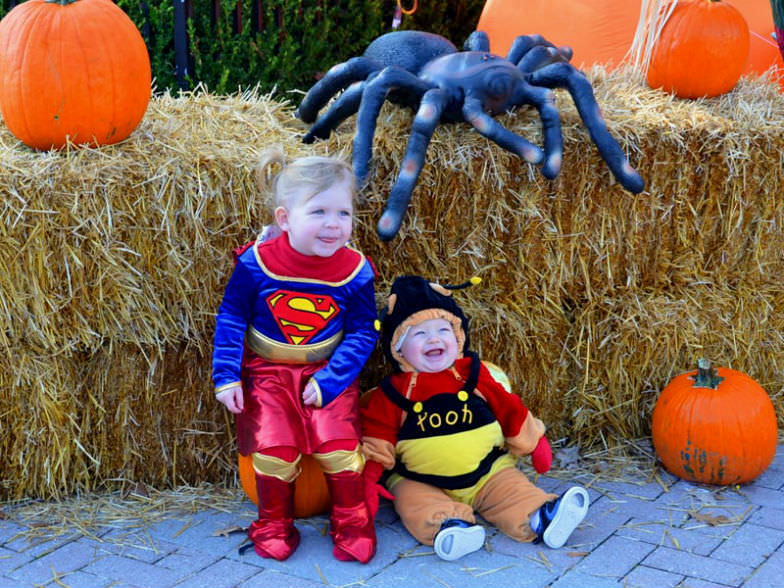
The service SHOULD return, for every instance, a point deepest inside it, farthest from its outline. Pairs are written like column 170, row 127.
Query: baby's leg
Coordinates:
column 423, row 508
column 508, row 500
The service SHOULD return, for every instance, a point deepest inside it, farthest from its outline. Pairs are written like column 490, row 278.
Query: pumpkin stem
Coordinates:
column 706, row 376
column 60, row 2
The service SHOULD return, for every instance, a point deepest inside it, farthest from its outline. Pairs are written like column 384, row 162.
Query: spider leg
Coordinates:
column 523, row 44
column 477, row 41
column 336, row 79
column 493, row 130
column 544, row 102
column 425, row 121
column 392, row 77
column 343, row 107
column 565, row 75
column 541, row 56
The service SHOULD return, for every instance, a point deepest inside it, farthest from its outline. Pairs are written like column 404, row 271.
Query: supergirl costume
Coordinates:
column 288, row 319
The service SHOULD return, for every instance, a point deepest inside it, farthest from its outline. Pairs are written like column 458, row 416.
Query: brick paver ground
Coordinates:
column 647, row 531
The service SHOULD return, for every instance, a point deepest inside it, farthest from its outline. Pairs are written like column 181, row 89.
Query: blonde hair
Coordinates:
column 306, row 176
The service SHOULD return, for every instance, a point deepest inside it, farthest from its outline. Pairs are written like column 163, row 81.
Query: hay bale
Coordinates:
column 114, row 262
column 88, row 420
column 628, row 347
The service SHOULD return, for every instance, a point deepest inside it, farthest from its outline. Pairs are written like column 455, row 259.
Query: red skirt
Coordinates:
column 275, row 416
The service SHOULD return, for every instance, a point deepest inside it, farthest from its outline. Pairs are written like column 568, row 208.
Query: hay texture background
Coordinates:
column 113, row 262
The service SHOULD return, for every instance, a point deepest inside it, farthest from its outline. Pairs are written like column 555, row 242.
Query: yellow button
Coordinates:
column 377, row 325
column 418, row 407
column 462, row 395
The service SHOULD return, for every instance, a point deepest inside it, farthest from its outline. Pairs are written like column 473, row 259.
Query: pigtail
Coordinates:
column 266, row 176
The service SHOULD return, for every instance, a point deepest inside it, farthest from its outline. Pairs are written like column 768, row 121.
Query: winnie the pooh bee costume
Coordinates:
column 449, row 433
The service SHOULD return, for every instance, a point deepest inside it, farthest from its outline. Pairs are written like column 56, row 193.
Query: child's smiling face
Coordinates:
column 321, row 224
column 430, row 346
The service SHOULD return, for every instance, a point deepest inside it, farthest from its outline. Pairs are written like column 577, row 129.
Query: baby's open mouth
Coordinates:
column 434, row 353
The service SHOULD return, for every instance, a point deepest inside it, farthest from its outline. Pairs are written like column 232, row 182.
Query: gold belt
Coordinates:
column 272, row 350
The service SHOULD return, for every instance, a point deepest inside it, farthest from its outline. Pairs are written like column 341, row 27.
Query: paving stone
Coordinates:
column 697, row 566
column 552, row 485
column 79, row 579
column 386, row 511
column 772, row 478
column 222, row 574
column 750, row 545
column 616, row 557
column 9, row 560
column 278, row 580
column 699, row 583
column 42, row 570
column 768, row 575
column 662, row 534
column 736, row 511
column 37, row 546
column 623, row 490
column 654, row 510
column 479, row 569
column 498, row 542
column 768, row 516
column 133, row 572
column 645, row 577
column 189, row 560
column 9, row 530
column 603, row 519
column 556, row 560
column 687, row 495
column 198, row 531
column 628, row 540
column 141, row 546
column 314, row 560
column 763, row 496
column 574, row 578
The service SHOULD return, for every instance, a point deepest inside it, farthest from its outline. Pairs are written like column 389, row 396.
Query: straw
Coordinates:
column 113, row 263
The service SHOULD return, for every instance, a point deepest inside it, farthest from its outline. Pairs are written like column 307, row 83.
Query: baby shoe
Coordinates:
column 555, row 521
column 457, row 538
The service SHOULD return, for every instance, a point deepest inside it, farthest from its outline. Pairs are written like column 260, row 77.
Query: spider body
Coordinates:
column 428, row 74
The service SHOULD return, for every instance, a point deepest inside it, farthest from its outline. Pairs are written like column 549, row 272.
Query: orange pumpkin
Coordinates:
column 599, row 31
column 602, row 31
column 311, row 495
column 72, row 69
column 714, row 426
column 702, row 50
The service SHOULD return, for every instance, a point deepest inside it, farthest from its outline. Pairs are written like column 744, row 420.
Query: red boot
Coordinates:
column 274, row 534
column 351, row 525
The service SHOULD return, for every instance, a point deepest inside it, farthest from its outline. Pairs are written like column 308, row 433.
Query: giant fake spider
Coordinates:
column 427, row 73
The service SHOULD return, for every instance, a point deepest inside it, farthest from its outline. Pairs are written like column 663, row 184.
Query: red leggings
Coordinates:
column 289, row 454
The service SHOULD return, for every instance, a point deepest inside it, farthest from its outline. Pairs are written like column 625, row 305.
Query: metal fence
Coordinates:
column 183, row 10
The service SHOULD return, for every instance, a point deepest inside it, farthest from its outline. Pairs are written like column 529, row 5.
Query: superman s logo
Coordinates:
column 301, row 316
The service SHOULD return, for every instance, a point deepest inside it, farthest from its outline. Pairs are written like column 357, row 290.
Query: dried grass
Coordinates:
column 113, row 261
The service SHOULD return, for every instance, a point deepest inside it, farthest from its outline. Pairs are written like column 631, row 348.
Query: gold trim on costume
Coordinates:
column 341, row 461
column 220, row 389
column 284, row 353
column 268, row 465
column 346, row 280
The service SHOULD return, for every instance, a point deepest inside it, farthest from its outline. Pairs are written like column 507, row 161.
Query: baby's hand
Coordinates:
column 310, row 395
column 232, row 398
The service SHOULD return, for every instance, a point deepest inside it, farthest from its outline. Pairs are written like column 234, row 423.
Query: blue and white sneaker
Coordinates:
column 555, row 521
column 457, row 538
